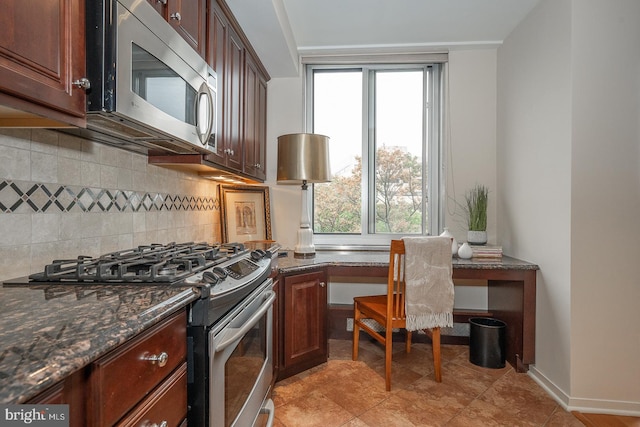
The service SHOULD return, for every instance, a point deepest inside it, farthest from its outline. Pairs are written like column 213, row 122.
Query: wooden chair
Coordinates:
column 389, row 311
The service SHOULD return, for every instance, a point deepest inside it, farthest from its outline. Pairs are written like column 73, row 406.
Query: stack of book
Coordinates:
column 487, row 252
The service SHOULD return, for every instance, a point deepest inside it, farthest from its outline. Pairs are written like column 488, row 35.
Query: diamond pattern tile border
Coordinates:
column 64, row 198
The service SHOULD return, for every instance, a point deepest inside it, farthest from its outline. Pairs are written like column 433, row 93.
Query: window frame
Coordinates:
column 432, row 136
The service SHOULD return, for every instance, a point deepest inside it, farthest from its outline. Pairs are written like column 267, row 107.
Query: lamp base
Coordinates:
column 304, row 255
column 304, row 248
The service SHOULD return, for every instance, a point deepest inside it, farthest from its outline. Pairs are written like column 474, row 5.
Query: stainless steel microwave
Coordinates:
column 149, row 90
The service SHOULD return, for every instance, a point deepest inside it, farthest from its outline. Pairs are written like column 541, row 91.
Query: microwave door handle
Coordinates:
column 204, row 90
column 236, row 333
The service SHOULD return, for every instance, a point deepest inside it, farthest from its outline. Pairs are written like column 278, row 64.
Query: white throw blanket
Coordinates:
column 429, row 284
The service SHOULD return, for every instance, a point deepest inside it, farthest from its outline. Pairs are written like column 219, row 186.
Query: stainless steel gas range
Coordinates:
column 230, row 354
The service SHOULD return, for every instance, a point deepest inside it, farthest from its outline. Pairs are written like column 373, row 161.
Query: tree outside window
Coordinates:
column 379, row 120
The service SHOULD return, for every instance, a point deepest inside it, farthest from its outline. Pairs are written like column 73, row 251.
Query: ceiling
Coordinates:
column 281, row 30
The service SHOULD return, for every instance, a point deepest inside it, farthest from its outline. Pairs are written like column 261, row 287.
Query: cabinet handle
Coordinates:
column 162, row 358
column 323, row 284
column 162, row 1
column 176, row 16
column 162, row 424
column 257, row 166
column 82, row 83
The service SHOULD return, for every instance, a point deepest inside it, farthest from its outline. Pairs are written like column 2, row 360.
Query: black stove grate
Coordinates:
column 154, row 263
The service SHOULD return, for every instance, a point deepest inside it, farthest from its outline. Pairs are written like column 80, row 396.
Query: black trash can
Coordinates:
column 486, row 342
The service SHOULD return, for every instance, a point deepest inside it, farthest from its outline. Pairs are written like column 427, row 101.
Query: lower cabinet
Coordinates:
column 141, row 383
column 69, row 391
column 303, row 335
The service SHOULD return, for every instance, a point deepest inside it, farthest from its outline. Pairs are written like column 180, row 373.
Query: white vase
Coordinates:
column 477, row 237
column 465, row 251
column 454, row 243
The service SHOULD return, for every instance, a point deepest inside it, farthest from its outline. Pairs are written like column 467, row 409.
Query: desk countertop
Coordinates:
column 47, row 332
column 290, row 264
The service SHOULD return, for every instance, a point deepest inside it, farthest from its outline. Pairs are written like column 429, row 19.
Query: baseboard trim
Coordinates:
column 592, row 406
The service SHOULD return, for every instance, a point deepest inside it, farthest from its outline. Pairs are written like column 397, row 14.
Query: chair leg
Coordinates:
column 356, row 331
column 408, row 342
column 435, row 341
column 388, row 348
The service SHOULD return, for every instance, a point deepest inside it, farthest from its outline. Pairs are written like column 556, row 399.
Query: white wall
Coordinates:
column 605, row 203
column 534, row 164
column 285, row 107
column 568, row 150
column 470, row 151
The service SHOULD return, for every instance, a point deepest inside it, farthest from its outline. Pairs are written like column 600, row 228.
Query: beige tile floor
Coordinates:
column 342, row 392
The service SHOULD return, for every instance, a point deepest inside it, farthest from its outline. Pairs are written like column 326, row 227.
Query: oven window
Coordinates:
column 159, row 85
column 243, row 368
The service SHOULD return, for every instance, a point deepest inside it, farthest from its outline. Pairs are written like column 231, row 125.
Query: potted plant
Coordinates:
column 476, row 211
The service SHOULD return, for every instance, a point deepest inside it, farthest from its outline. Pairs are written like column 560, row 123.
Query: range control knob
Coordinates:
column 220, row 272
column 211, row 278
column 257, row 254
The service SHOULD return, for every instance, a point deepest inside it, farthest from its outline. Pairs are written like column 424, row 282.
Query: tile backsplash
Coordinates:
column 62, row 196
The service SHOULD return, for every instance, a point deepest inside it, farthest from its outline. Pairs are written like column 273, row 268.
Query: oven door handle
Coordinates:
column 236, row 333
column 269, row 409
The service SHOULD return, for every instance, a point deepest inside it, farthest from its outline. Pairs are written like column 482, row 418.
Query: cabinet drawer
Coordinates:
column 124, row 377
column 167, row 403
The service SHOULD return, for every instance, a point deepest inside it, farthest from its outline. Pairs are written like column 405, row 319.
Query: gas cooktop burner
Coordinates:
column 154, row 263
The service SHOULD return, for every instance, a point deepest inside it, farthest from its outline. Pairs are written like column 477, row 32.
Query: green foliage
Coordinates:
column 476, row 207
column 398, row 201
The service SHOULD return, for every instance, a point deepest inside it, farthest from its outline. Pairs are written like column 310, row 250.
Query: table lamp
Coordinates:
column 303, row 158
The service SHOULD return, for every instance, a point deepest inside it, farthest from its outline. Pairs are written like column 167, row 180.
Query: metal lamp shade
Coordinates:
column 303, row 157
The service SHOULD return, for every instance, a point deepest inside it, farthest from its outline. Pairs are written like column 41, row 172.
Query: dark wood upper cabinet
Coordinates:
column 242, row 95
column 226, row 55
column 255, row 121
column 189, row 18
column 160, row 6
column 42, row 52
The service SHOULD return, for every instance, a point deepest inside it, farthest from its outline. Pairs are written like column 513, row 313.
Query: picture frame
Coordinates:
column 245, row 213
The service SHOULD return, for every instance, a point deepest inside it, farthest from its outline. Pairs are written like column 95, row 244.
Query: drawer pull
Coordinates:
column 162, row 359
column 162, row 424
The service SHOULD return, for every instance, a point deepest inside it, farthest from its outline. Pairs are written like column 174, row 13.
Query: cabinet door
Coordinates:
column 305, row 322
column 42, row 51
column 226, row 56
column 255, row 125
column 234, row 100
column 69, row 391
column 160, row 6
column 216, row 58
column 188, row 17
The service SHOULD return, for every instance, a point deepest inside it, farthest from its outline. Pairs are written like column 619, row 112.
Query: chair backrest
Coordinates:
column 395, row 281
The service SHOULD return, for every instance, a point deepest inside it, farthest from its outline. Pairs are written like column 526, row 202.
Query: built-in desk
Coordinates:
column 511, row 289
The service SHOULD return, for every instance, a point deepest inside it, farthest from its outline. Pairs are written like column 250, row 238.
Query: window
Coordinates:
column 383, row 122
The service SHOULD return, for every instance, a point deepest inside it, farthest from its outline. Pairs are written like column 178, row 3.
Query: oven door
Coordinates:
column 241, row 362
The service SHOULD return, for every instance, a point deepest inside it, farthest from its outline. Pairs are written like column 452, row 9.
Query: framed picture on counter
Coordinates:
column 246, row 213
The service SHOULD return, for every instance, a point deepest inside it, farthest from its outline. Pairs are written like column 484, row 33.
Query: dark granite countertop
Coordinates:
column 336, row 258
column 49, row 331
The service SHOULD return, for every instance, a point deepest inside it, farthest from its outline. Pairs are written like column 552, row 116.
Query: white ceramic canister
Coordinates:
column 465, row 251
column 454, row 243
